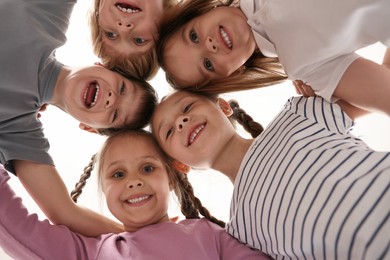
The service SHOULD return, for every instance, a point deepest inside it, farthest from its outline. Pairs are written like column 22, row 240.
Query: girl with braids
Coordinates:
column 136, row 179
column 237, row 45
column 304, row 187
column 124, row 34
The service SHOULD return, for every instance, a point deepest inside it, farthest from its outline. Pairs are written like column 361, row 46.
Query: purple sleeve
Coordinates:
column 232, row 249
column 24, row 236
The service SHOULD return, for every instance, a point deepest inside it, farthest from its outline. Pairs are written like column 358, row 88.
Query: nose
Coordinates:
column 110, row 99
column 211, row 44
column 181, row 122
column 124, row 25
column 135, row 183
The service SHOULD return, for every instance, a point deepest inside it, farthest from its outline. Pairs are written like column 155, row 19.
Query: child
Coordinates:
column 314, row 41
column 102, row 100
column 304, row 188
column 136, row 179
column 124, row 34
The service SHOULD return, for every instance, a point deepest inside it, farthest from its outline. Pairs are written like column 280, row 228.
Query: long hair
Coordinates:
column 258, row 70
column 191, row 206
column 144, row 66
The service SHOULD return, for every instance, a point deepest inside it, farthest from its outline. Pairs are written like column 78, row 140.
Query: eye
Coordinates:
column 122, row 89
column 169, row 133
column 208, row 64
column 118, row 175
column 148, row 168
column 115, row 115
column 111, row 35
column 187, row 107
column 139, row 41
column 194, row 37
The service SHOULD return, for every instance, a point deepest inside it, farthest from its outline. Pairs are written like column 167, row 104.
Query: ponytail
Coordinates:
column 251, row 126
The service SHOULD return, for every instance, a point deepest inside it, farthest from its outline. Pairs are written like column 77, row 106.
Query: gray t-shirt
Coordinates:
column 30, row 33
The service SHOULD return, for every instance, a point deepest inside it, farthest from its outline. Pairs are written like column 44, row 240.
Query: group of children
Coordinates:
column 301, row 188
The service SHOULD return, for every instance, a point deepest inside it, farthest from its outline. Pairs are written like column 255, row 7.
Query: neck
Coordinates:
column 59, row 89
column 230, row 158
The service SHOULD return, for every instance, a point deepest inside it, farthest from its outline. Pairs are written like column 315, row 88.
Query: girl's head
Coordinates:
column 124, row 34
column 195, row 129
column 136, row 177
column 205, row 41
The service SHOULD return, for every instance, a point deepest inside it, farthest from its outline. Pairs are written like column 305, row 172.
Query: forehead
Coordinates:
column 131, row 146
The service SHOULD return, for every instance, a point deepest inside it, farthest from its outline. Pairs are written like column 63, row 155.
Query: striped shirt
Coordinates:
column 308, row 189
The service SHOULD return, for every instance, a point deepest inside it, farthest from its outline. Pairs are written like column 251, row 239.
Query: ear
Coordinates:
column 180, row 167
column 87, row 128
column 225, row 106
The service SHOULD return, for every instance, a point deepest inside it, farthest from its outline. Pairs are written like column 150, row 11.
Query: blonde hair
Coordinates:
column 258, row 70
column 144, row 66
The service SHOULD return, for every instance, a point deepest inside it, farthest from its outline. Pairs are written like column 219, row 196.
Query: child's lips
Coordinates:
column 91, row 94
column 127, row 8
column 195, row 133
column 225, row 37
column 137, row 200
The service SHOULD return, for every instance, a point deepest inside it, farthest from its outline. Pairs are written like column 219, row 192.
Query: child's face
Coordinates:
column 210, row 46
column 135, row 182
column 100, row 98
column 191, row 129
column 130, row 27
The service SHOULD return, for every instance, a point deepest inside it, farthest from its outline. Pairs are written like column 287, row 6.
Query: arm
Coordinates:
column 352, row 111
column 23, row 236
column 46, row 187
column 366, row 84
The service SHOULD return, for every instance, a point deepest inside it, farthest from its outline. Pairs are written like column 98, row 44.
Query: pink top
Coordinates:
column 24, row 236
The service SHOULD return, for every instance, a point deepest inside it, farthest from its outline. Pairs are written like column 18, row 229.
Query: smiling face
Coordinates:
column 191, row 128
column 135, row 181
column 99, row 98
column 211, row 46
column 129, row 27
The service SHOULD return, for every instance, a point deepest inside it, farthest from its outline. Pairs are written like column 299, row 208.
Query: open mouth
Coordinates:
column 225, row 37
column 138, row 199
column 127, row 8
column 91, row 94
column 195, row 134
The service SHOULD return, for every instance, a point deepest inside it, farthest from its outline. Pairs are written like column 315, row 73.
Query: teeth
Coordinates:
column 96, row 94
column 127, row 10
column 195, row 133
column 226, row 37
column 136, row 200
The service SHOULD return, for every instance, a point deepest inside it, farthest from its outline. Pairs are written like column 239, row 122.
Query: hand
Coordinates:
column 303, row 89
column 42, row 109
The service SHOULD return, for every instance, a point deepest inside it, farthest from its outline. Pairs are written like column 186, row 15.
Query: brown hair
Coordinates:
column 144, row 66
column 191, row 206
column 144, row 112
column 258, row 70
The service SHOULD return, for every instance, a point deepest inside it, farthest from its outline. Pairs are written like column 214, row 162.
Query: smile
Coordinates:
column 195, row 133
column 126, row 8
column 225, row 37
column 138, row 200
column 91, row 94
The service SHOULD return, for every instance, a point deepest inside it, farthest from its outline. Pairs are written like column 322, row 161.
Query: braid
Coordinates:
column 76, row 192
column 253, row 127
column 191, row 206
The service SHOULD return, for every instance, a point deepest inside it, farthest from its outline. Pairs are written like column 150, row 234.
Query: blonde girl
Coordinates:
column 238, row 45
column 124, row 33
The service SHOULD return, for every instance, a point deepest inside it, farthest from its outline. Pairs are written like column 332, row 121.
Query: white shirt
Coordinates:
column 315, row 40
column 308, row 189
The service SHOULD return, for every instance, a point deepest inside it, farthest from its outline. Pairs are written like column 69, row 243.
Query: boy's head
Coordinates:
column 124, row 34
column 102, row 100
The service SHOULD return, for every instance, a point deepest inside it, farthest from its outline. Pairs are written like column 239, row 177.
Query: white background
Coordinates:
column 72, row 148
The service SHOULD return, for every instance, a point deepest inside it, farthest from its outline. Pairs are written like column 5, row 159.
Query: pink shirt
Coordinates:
column 24, row 236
